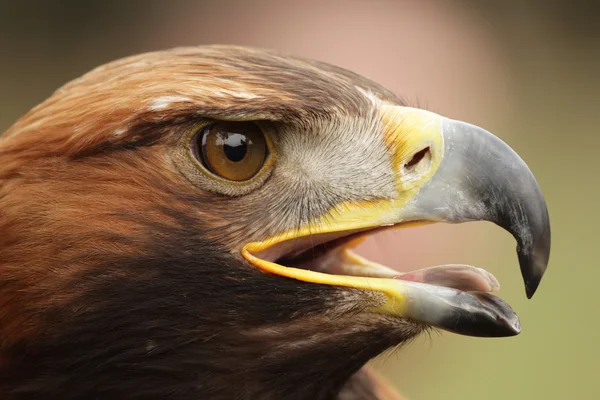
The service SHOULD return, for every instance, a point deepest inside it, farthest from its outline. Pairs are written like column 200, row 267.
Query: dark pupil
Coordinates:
column 235, row 146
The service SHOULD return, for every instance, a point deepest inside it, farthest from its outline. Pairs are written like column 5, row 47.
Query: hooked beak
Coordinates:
column 447, row 171
column 482, row 179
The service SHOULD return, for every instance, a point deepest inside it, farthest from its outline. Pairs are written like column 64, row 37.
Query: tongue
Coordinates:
column 458, row 276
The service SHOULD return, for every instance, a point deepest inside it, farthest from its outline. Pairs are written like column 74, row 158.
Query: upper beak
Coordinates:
column 480, row 178
column 467, row 174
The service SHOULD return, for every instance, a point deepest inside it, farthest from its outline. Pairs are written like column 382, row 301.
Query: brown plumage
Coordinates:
column 92, row 207
column 120, row 267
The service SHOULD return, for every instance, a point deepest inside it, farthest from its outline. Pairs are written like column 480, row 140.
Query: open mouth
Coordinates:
column 336, row 256
column 454, row 297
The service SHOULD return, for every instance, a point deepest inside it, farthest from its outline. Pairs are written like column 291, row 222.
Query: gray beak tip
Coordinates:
column 530, row 288
column 506, row 321
column 483, row 315
column 533, row 269
column 534, row 256
column 531, row 284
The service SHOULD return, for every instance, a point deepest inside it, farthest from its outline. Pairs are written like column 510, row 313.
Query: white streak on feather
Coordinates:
column 164, row 102
column 119, row 132
column 233, row 93
column 372, row 97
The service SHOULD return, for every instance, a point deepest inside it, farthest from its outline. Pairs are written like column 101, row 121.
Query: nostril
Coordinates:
column 417, row 158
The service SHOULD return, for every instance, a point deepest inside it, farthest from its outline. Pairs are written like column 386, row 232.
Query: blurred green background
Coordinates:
column 528, row 71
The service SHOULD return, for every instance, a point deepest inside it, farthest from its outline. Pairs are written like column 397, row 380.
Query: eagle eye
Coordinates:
column 235, row 151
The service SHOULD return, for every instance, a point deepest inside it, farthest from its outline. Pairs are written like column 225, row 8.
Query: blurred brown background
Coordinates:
column 527, row 71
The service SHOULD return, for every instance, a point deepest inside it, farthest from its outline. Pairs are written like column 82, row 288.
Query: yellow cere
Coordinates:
column 408, row 130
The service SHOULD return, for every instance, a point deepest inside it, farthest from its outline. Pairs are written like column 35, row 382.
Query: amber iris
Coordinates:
column 232, row 150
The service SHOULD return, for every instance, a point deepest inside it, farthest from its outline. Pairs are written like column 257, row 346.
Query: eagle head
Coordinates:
column 179, row 224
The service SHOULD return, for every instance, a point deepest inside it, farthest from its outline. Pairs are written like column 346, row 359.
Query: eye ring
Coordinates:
column 237, row 153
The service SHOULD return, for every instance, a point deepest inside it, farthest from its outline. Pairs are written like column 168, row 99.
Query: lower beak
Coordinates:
column 477, row 177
